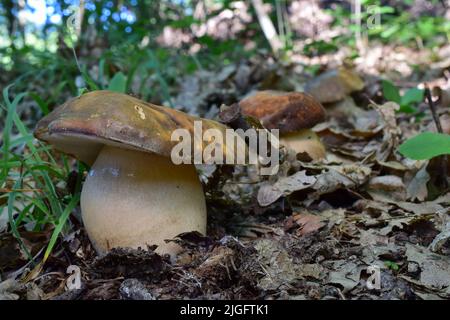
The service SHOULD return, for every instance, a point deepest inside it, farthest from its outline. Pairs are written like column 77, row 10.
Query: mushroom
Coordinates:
column 133, row 195
column 334, row 85
column 293, row 113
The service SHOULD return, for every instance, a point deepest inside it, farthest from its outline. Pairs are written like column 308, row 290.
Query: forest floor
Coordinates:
column 364, row 211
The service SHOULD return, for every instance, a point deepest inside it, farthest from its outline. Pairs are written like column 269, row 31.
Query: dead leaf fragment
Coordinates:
column 133, row 289
column 268, row 194
column 391, row 132
column 346, row 274
column 417, row 187
column 7, row 289
column 278, row 267
column 387, row 187
column 419, row 208
column 435, row 269
column 307, row 223
column 444, row 236
column 337, row 177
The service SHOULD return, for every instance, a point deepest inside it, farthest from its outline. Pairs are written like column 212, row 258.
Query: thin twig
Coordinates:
column 442, row 160
column 436, row 119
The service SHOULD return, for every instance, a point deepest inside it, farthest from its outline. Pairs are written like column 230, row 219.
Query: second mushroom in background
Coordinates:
column 294, row 114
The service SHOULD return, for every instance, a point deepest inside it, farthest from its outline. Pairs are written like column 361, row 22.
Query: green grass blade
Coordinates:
column 59, row 226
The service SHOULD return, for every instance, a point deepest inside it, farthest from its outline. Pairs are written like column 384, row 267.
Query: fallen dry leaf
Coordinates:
column 346, row 274
column 308, row 223
column 391, row 131
column 268, row 194
column 417, row 187
column 435, row 269
column 387, row 187
column 337, row 177
column 278, row 267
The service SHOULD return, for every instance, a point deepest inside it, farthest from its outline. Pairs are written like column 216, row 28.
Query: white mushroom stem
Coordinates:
column 134, row 199
column 304, row 140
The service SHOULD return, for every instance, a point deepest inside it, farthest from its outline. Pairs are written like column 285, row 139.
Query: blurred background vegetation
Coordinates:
column 154, row 43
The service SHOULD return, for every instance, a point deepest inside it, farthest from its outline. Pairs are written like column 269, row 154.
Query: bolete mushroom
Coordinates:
column 294, row 114
column 133, row 195
column 334, row 85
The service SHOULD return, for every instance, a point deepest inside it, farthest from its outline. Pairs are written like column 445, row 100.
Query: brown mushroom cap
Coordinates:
column 83, row 125
column 334, row 85
column 286, row 111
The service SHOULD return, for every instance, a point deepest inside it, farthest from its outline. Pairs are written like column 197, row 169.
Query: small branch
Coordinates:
column 442, row 160
column 436, row 119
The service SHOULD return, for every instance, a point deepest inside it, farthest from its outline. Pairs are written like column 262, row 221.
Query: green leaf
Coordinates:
column 426, row 27
column 385, row 9
column 391, row 92
column 407, row 109
column 185, row 22
column 426, row 145
column 118, row 83
column 390, row 31
column 391, row 265
column 413, row 95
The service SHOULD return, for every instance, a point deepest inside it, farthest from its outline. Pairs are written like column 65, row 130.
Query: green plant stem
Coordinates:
column 436, row 119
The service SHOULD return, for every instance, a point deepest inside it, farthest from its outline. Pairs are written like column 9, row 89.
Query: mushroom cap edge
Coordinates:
column 82, row 125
